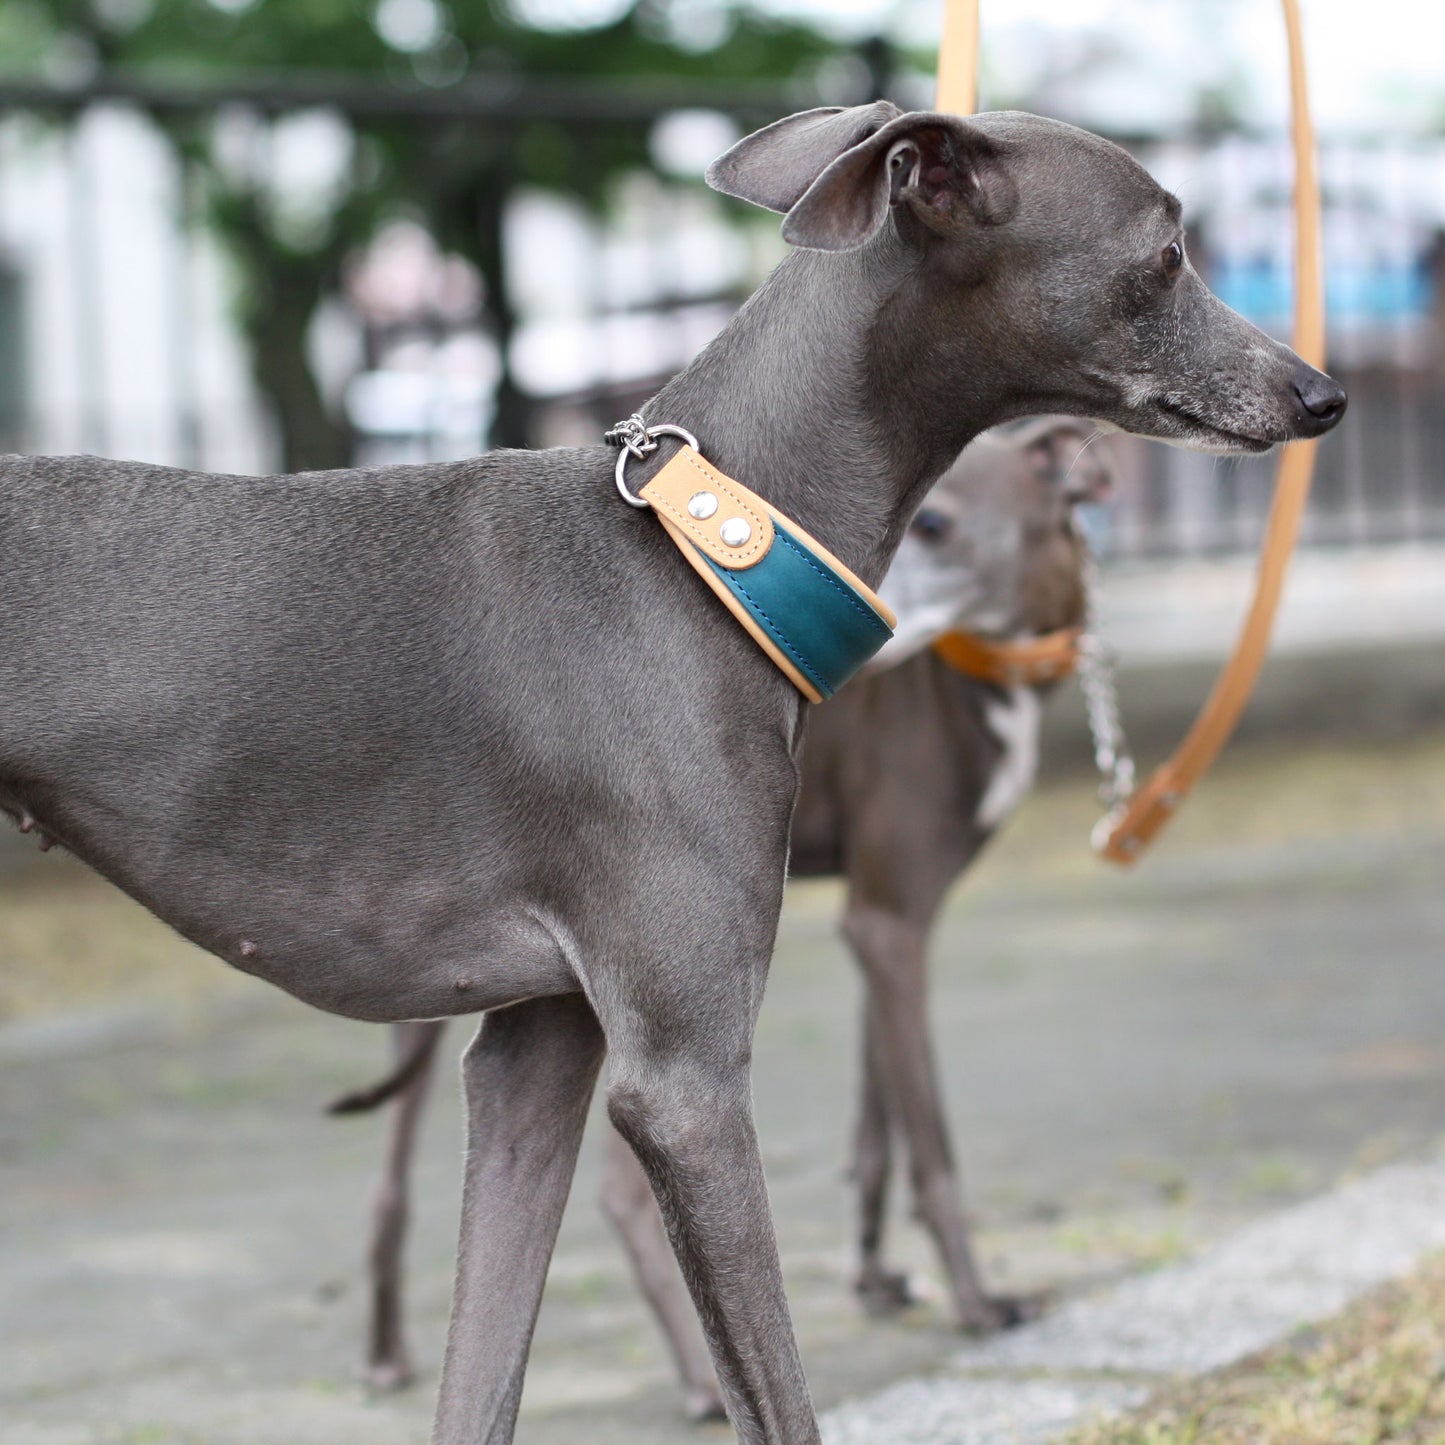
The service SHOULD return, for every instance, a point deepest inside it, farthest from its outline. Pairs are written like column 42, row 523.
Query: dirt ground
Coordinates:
column 1135, row 1062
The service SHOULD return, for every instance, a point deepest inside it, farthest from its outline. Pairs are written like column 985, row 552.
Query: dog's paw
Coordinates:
column 993, row 1313
column 884, row 1292
column 385, row 1377
column 704, row 1405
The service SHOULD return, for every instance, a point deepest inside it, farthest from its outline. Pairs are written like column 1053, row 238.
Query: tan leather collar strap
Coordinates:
column 1012, row 664
column 1125, row 833
column 815, row 620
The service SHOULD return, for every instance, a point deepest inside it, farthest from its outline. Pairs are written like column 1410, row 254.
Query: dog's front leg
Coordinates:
column 527, row 1079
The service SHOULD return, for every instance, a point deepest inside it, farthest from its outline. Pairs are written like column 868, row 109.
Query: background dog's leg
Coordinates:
column 628, row 1201
column 528, row 1077
column 883, row 1291
column 891, row 950
column 388, row 1363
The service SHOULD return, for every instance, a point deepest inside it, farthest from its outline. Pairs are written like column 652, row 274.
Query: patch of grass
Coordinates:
column 1271, row 1177
column 1257, row 797
column 1374, row 1376
column 1168, row 1178
column 1120, row 1242
column 589, row 1288
column 156, row 1435
column 68, row 941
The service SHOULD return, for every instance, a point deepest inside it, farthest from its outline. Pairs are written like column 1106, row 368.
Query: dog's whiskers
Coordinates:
column 1087, row 443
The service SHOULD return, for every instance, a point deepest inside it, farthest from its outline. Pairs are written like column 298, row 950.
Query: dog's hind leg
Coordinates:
column 680, row 1094
column 628, row 1202
column 694, row 1135
column 388, row 1363
column 528, row 1077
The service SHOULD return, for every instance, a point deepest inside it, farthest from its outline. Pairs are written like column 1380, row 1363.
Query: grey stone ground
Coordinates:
column 1103, row 1354
column 1137, row 1064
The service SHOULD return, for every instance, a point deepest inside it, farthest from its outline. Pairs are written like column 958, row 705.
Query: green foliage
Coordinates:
column 452, row 174
column 26, row 36
column 422, row 45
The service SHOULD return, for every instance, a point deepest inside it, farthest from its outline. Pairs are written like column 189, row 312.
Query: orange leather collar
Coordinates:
column 1012, row 664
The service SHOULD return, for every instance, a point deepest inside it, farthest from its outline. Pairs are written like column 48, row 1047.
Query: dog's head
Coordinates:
column 1049, row 249
column 993, row 549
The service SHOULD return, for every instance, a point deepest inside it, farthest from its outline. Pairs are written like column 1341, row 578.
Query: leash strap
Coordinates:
column 1128, row 829
column 1123, row 835
column 958, row 58
column 1042, row 659
column 809, row 613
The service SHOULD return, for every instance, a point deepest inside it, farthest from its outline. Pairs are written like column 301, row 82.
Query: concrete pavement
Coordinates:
column 1137, row 1065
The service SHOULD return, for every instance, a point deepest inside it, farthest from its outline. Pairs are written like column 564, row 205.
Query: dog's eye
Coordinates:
column 1173, row 259
column 931, row 525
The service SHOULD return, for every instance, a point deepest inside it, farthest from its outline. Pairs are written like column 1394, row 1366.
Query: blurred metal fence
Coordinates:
column 116, row 333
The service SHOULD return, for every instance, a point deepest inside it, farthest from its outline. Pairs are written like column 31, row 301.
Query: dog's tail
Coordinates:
column 414, row 1061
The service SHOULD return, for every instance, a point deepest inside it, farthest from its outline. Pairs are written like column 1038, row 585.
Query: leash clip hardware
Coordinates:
column 637, row 439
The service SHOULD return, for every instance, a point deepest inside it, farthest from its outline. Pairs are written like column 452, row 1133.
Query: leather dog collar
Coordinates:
column 1012, row 664
column 817, row 621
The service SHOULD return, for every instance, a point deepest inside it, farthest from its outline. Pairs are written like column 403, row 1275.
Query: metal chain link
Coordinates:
column 631, row 434
column 636, row 439
column 1101, row 695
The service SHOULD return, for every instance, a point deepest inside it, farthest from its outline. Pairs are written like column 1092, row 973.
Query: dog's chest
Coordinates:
column 1013, row 718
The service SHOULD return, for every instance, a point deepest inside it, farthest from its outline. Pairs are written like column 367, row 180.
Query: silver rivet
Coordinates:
column 701, row 505
column 735, row 532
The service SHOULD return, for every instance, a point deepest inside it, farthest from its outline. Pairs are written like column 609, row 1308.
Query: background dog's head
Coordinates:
column 993, row 549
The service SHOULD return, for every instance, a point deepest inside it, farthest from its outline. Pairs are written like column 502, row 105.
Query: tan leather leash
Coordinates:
column 1029, row 662
column 958, row 58
column 1124, row 834
column 1127, row 830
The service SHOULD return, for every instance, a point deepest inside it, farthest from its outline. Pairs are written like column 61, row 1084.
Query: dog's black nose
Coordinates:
column 1323, row 402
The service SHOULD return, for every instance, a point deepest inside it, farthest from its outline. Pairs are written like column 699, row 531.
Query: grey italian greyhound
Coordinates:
column 467, row 738
column 909, row 772
column 906, row 774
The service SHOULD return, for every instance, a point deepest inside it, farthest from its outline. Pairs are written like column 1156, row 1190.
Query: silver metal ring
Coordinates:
column 630, row 450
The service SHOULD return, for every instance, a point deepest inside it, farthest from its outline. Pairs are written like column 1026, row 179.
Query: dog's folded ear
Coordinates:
column 938, row 168
column 837, row 173
column 774, row 166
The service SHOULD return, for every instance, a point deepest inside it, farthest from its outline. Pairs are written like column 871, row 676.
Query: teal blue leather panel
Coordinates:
column 818, row 620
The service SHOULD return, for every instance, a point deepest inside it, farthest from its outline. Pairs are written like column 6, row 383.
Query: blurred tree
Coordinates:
column 453, row 174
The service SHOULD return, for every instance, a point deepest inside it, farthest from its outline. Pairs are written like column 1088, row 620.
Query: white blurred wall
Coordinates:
column 126, row 344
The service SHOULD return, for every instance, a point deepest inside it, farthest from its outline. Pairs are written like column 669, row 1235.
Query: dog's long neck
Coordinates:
column 818, row 396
